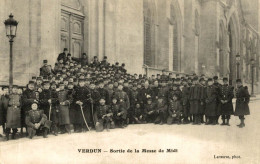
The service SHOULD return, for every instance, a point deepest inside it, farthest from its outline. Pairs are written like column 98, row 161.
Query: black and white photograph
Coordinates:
column 129, row 81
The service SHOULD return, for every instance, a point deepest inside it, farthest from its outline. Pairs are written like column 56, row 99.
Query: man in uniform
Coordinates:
column 63, row 55
column 218, row 86
column 226, row 105
column 211, row 102
column 35, row 121
column 242, row 102
column 3, row 106
column 194, row 98
column 48, row 101
column 46, row 69
column 13, row 117
column 82, row 107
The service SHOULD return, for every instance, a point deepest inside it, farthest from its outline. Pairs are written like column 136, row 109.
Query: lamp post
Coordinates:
column 252, row 76
column 238, row 63
column 11, row 28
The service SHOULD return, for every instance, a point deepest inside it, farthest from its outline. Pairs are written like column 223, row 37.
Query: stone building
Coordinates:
column 181, row 36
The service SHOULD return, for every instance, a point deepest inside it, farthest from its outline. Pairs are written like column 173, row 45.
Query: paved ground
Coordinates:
column 195, row 144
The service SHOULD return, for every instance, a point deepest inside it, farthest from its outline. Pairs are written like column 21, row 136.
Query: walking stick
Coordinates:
column 92, row 110
column 84, row 117
column 50, row 113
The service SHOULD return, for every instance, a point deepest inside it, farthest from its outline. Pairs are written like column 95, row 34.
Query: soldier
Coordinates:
column 145, row 93
column 38, row 85
column 94, row 100
column 110, row 89
column 103, row 92
column 48, row 101
column 13, row 116
column 202, row 104
column 226, row 105
column 35, row 121
column 150, row 111
column 172, row 91
column 103, row 116
column 82, row 109
column 218, row 86
column 138, row 114
column 242, row 101
column 29, row 96
column 4, row 106
column 104, row 62
column 84, row 60
column 195, row 101
column 211, row 102
column 175, row 110
column 46, row 69
column 161, row 111
column 64, row 103
column 185, row 101
column 123, row 99
column 119, row 113
column 63, row 55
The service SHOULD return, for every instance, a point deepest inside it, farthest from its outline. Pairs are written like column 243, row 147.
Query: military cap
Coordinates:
column 123, row 64
column 117, row 63
column 105, row 57
column 31, row 82
column 65, row 49
column 202, row 79
column 34, row 77
column 53, row 83
column 69, row 54
column 70, row 83
column 15, row 86
column 82, row 80
column 210, row 79
column 46, row 82
column 225, row 79
column 195, row 78
column 239, row 81
column 95, row 57
column 39, row 78
column 215, row 78
column 45, row 61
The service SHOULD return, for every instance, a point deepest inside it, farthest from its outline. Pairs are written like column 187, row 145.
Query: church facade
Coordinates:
column 179, row 36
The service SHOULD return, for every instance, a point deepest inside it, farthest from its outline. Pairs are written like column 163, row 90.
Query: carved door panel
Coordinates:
column 72, row 33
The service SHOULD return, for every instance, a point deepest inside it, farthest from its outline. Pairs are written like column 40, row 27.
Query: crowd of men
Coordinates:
column 77, row 96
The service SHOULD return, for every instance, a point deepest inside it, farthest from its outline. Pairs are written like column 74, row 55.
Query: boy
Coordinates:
column 104, row 116
column 161, row 111
column 118, row 113
column 175, row 110
column 149, row 110
column 35, row 121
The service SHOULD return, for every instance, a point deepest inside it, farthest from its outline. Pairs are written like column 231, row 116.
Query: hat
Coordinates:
column 95, row 57
column 225, row 79
column 238, row 81
column 34, row 77
column 215, row 78
column 65, row 49
column 210, row 79
column 39, row 78
column 31, row 82
column 46, row 82
column 45, row 61
column 15, row 86
column 105, row 57
column 195, row 78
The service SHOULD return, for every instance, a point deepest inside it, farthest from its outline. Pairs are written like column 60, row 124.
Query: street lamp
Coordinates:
column 11, row 28
column 238, row 63
column 252, row 76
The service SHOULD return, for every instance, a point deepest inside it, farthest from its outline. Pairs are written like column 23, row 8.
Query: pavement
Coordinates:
column 188, row 144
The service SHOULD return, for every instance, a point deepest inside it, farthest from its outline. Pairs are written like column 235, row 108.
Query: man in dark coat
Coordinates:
column 3, row 106
column 145, row 93
column 185, row 101
column 63, row 55
column 94, row 100
column 82, row 101
column 48, row 100
column 226, row 105
column 218, row 86
column 242, row 102
column 46, row 69
column 211, row 102
column 103, row 92
column 13, row 116
column 194, row 98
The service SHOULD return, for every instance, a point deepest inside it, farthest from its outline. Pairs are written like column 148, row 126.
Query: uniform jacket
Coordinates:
column 13, row 117
column 227, row 94
column 104, row 93
column 44, row 96
column 123, row 99
column 35, row 116
column 175, row 107
column 3, row 108
column 211, row 100
column 28, row 97
column 242, row 101
column 103, row 110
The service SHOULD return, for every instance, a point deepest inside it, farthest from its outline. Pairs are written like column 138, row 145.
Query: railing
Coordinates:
column 149, row 71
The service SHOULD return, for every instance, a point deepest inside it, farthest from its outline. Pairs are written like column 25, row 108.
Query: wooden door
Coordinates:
column 72, row 34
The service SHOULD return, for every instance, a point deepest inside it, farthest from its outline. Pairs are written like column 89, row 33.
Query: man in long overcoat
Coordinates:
column 242, row 102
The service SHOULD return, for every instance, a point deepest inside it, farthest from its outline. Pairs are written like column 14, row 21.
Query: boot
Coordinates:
column 242, row 123
column 195, row 120
column 223, row 123
column 45, row 131
column 13, row 136
column 217, row 117
column 214, row 122
column 199, row 120
column 227, row 122
column 7, row 137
